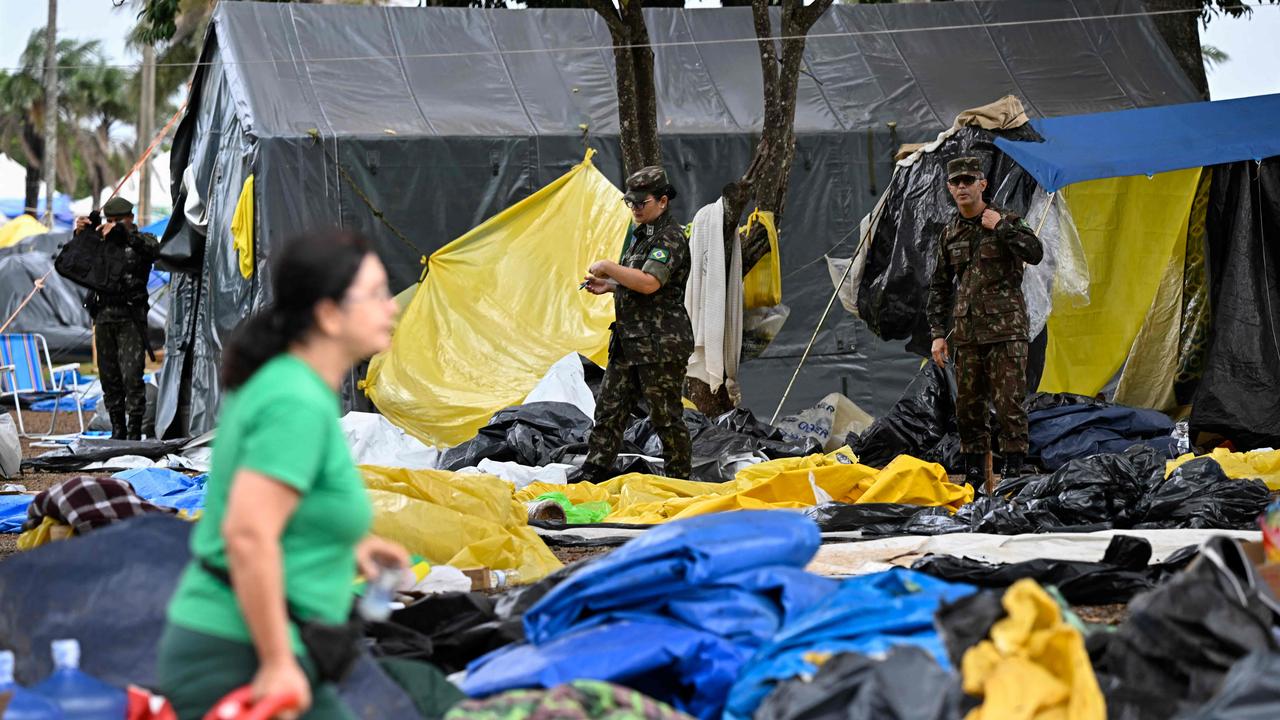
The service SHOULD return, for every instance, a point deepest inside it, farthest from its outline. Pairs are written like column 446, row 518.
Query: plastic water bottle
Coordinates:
column 375, row 604
column 23, row 704
column 80, row 696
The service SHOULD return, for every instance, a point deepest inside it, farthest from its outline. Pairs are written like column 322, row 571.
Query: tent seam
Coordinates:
column 506, row 69
column 404, row 72
column 910, row 71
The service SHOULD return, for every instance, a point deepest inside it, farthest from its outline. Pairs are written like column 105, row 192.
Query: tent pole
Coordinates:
column 871, row 227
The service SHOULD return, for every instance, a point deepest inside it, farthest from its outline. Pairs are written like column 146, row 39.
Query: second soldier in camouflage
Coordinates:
column 652, row 336
column 976, row 290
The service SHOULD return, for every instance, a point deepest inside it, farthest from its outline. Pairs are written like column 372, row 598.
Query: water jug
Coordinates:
column 24, row 704
column 80, row 696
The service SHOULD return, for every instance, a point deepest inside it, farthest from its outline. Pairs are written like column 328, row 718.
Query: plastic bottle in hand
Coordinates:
column 23, row 704
column 375, row 604
column 80, row 696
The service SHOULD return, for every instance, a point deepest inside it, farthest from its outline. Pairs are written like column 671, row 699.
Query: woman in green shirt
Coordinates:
column 286, row 516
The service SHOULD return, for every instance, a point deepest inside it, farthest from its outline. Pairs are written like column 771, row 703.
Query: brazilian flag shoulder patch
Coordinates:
column 659, row 255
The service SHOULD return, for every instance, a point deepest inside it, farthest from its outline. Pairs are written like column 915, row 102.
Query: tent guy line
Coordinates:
column 674, row 43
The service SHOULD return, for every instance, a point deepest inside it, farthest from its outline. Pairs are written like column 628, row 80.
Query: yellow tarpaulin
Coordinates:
column 1132, row 229
column 1034, row 666
column 19, row 229
column 242, row 228
column 498, row 307
column 1262, row 465
column 466, row 521
column 762, row 286
column 791, row 483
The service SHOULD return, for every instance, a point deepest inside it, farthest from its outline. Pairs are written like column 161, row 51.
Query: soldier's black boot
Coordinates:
column 1014, row 465
column 975, row 469
column 119, row 426
column 135, row 428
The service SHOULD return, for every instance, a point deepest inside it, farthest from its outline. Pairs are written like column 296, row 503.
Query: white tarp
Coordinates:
column 565, row 382
column 375, row 441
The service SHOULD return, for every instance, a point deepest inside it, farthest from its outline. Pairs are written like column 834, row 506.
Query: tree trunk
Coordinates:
column 1181, row 32
column 32, row 197
column 767, row 177
column 637, row 97
column 49, row 162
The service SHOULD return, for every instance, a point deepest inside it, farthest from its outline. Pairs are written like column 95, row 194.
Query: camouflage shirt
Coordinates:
column 977, row 279
column 654, row 328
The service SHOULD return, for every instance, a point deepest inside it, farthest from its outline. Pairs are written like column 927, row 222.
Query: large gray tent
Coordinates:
column 439, row 118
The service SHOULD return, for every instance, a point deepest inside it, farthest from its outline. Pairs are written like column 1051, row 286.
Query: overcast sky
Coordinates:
column 1253, row 44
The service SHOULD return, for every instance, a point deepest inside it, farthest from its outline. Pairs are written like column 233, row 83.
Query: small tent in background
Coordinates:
column 19, row 229
column 500, row 305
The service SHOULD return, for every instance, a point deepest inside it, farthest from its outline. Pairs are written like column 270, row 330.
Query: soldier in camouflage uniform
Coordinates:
column 652, row 336
column 120, row 320
column 977, row 283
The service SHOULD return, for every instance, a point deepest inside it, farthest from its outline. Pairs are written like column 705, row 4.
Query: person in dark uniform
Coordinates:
column 652, row 336
column 977, row 283
column 120, row 319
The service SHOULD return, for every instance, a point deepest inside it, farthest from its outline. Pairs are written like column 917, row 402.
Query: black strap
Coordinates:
column 225, row 578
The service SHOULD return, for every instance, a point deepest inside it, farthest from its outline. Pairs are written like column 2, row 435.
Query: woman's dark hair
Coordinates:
column 306, row 270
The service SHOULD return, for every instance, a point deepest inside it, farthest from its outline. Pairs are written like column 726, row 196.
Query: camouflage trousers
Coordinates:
column 661, row 385
column 121, row 362
column 991, row 374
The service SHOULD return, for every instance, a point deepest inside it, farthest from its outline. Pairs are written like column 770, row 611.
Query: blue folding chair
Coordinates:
column 26, row 371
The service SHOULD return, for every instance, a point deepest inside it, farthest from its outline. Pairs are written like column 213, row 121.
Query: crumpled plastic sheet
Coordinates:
column 1122, row 573
column 673, row 613
column 1181, row 639
column 1251, row 691
column 374, row 440
column 916, row 424
column 868, row 614
column 1063, row 274
column 1261, row 465
column 526, row 434
column 906, row 685
column 1076, row 430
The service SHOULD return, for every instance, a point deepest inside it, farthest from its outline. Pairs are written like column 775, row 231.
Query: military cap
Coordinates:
column 651, row 180
column 964, row 166
column 117, row 206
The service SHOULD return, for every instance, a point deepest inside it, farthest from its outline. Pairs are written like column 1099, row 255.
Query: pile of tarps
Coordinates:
column 676, row 613
column 1110, row 490
column 465, row 521
column 110, row 590
column 87, row 453
column 1061, row 427
column 792, row 483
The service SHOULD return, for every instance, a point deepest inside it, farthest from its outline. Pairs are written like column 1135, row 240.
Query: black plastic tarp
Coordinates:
column 441, row 117
column 1239, row 394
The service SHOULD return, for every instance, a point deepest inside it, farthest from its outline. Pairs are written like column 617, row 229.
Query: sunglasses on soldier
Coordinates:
column 962, row 180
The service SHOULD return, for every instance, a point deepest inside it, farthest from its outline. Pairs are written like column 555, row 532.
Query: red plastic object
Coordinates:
column 238, row 706
column 145, row 705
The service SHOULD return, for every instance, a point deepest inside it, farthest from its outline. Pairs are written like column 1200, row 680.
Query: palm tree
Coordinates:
column 98, row 98
column 22, row 108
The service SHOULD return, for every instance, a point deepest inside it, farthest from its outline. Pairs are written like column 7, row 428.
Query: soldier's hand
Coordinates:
column 81, row 223
column 106, row 228
column 940, row 353
column 990, row 218
column 597, row 286
column 598, row 269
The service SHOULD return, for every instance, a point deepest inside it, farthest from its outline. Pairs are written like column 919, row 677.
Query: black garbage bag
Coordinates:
column 1122, row 573
column 527, row 434
column 907, row 685
column 1182, row 638
column 741, row 420
column 110, row 590
column 968, row 621
column 1250, row 692
column 921, row 418
column 1098, row 490
column 1197, row 494
column 1047, row 401
column 87, row 451
column 844, row 517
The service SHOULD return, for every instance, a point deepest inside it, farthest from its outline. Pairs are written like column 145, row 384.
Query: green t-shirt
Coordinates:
column 282, row 423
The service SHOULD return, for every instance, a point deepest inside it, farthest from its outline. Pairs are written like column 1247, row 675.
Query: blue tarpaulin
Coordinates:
column 1149, row 140
column 674, row 613
column 868, row 614
column 166, row 488
column 13, row 512
column 1060, row 434
column 157, row 228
